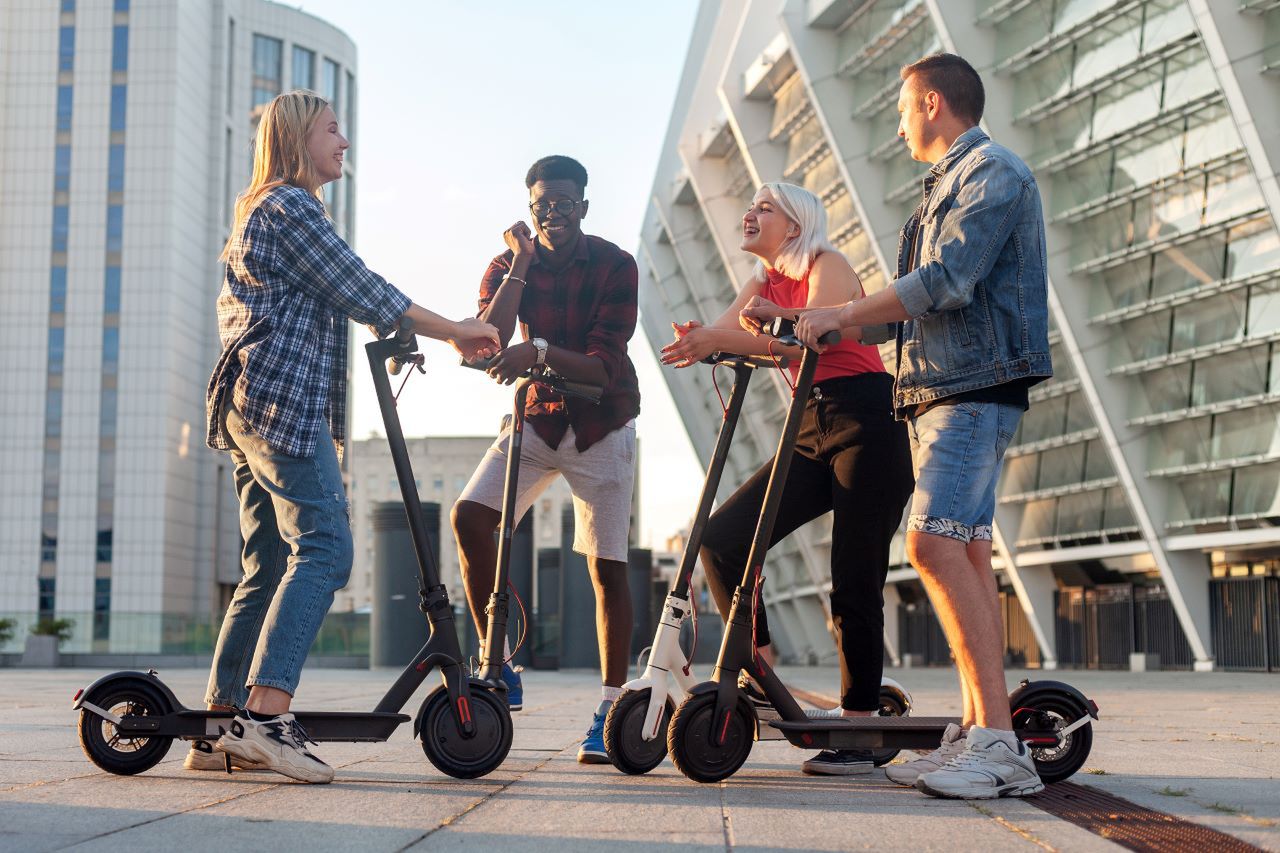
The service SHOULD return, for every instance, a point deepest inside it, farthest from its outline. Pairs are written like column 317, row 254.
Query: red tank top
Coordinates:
column 847, row 358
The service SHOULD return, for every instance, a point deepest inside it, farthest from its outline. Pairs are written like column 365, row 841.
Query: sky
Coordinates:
column 455, row 100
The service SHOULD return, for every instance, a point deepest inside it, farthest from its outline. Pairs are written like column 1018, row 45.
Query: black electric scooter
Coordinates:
column 498, row 608
column 711, row 732
column 636, row 725
column 128, row 720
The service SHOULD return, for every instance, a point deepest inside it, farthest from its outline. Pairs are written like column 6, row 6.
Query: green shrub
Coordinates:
column 6, row 630
column 50, row 627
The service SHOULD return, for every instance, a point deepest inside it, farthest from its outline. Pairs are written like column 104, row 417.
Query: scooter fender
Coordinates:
column 1027, row 691
column 887, row 684
column 472, row 684
column 713, row 687
column 128, row 675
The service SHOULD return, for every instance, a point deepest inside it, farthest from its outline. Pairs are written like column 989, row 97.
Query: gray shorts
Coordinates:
column 601, row 479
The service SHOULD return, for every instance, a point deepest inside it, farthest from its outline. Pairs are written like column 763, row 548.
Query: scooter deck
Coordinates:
column 865, row 732
column 353, row 726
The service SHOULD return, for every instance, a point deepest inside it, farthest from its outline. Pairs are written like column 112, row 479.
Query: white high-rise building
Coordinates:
column 126, row 129
column 1139, row 511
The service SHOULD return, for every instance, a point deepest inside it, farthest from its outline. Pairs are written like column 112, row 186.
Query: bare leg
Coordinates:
column 963, row 596
column 613, row 618
column 979, row 553
column 473, row 526
column 268, row 700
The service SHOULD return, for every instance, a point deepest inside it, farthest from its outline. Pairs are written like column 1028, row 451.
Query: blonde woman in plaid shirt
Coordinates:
column 276, row 402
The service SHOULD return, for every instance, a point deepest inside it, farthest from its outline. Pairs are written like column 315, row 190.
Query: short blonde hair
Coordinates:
column 280, row 153
column 806, row 211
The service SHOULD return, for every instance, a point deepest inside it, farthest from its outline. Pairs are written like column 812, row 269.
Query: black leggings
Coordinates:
column 851, row 457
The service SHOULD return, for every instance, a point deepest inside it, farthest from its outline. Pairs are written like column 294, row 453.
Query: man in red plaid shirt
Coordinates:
column 574, row 296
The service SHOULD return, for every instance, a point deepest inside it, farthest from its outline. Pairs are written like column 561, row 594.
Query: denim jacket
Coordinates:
column 979, row 297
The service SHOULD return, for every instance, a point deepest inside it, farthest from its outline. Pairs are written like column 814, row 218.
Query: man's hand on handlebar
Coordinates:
column 816, row 322
column 513, row 362
column 693, row 343
column 758, row 312
column 474, row 339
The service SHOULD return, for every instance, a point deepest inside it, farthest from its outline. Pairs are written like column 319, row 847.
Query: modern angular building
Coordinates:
column 1139, row 511
column 126, row 128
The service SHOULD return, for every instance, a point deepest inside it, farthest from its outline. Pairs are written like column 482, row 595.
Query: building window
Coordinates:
column 107, row 411
column 122, row 5
column 115, row 227
column 115, row 168
column 231, row 62
column 48, row 596
column 110, row 290
column 60, row 217
column 118, row 94
column 304, row 68
column 329, row 83
column 57, row 343
column 110, row 349
column 266, row 69
column 120, row 47
column 58, row 290
column 351, row 114
column 66, row 48
column 62, row 168
column 64, row 109
column 53, row 411
column 102, row 592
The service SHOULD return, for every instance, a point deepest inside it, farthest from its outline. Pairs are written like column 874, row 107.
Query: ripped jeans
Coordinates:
column 297, row 554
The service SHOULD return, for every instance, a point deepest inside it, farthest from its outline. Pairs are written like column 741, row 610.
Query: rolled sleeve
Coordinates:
column 970, row 237
column 492, row 280
column 615, row 320
column 335, row 275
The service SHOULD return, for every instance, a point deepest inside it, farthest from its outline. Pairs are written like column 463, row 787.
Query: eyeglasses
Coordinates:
column 562, row 206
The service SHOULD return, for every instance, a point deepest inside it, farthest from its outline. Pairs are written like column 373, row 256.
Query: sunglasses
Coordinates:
column 563, row 206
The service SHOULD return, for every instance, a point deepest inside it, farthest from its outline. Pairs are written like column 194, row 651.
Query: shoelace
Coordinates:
column 299, row 735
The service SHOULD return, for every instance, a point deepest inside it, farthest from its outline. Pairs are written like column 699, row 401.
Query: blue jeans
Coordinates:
column 957, row 452
column 297, row 554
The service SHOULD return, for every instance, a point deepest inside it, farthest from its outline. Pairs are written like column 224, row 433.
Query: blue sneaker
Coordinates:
column 515, row 690
column 592, row 750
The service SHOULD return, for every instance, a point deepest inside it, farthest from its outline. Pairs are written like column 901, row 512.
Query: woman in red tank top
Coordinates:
column 852, row 458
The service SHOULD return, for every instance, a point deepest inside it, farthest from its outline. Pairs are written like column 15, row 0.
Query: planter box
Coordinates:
column 41, row 651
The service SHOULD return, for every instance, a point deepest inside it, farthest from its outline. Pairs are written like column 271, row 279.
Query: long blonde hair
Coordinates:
column 280, row 153
column 806, row 211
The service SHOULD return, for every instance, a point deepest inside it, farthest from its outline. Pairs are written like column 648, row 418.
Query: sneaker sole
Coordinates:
column 1019, row 790
column 593, row 757
column 221, row 766
column 263, row 760
column 835, row 770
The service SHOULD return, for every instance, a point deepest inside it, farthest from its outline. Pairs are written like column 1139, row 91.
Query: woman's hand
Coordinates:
column 474, row 339
column 693, row 343
column 757, row 312
column 513, row 362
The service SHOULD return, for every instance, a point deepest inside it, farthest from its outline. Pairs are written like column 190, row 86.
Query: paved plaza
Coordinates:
column 1204, row 747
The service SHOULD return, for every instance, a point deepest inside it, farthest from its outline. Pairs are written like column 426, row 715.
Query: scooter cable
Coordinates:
column 778, row 364
column 524, row 622
column 755, row 614
column 693, row 612
column 724, row 410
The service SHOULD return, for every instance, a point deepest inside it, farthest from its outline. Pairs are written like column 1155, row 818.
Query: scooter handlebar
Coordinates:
column 755, row 362
column 403, row 335
column 554, row 381
column 784, row 329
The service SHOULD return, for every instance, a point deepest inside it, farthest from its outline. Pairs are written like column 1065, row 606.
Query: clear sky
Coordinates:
column 456, row 100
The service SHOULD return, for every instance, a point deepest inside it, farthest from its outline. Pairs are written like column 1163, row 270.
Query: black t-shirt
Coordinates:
column 1013, row 393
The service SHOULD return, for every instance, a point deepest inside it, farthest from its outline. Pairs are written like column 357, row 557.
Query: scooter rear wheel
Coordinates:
column 124, row 754
column 691, row 738
column 890, row 706
column 624, row 733
column 1049, row 713
column 454, row 753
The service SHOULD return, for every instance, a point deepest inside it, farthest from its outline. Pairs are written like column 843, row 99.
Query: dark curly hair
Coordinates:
column 557, row 167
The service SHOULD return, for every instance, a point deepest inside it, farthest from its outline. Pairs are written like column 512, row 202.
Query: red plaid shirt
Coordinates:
column 588, row 307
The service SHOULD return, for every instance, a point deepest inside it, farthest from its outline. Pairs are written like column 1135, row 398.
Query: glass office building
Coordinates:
column 127, row 129
column 1138, row 518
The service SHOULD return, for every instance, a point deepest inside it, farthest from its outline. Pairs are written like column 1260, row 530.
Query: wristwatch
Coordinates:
column 540, row 344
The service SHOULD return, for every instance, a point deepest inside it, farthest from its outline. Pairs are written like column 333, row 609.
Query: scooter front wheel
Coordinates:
column 891, row 705
column 624, row 733
column 119, row 752
column 691, row 738
column 459, row 755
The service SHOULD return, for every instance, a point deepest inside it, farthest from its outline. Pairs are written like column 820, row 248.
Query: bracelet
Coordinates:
column 513, row 278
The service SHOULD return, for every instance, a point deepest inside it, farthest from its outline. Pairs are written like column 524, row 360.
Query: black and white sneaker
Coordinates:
column 839, row 762
column 277, row 744
column 202, row 756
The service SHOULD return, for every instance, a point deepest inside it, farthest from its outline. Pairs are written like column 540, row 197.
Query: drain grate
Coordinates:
column 1130, row 825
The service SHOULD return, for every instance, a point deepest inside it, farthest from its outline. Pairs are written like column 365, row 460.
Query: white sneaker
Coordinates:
column 277, row 744
column 988, row 768
column 908, row 772
column 203, row 756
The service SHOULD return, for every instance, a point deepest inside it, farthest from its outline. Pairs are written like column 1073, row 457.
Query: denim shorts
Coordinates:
column 957, row 451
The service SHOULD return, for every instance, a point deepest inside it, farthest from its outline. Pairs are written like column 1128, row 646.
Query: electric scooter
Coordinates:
column 128, row 720
column 498, row 608
column 711, row 732
column 635, row 727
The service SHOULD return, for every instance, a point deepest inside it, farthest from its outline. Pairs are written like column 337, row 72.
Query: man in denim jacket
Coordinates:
column 971, row 297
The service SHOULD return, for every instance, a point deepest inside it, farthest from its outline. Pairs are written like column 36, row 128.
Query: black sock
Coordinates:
column 259, row 718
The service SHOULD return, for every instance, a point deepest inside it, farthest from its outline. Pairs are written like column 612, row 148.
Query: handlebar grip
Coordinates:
column 831, row 337
column 591, row 393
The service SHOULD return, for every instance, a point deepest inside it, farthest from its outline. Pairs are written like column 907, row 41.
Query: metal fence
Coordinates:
column 1099, row 627
column 920, row 634
column 1246, row 623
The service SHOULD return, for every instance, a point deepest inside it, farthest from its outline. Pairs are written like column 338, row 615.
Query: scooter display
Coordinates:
column 635, row 727
column 712, row 730
column 129, row 720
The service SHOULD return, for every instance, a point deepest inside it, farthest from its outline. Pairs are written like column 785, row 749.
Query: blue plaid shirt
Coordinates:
column 291, row 283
